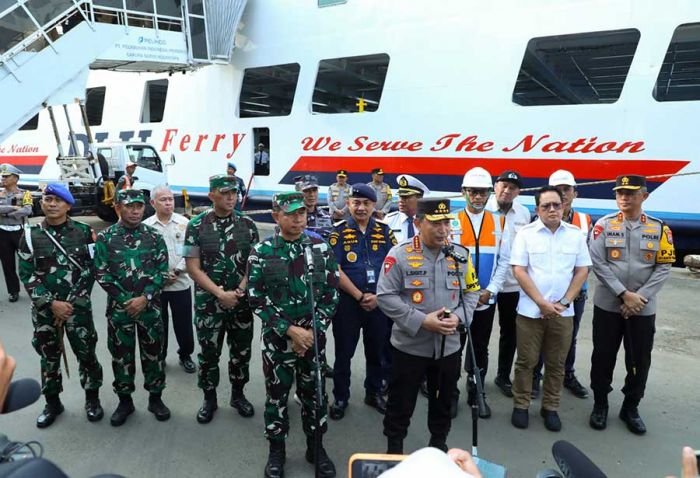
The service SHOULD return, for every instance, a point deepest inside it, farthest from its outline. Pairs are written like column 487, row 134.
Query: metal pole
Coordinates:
column 71, row 133
column 55, row 131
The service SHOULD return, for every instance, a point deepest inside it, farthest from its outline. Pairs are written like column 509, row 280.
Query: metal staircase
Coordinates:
column 47, row 47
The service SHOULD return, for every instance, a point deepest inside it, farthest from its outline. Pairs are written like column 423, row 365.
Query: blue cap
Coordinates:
column 231, row 165
column 59, row 190
column 361, row 190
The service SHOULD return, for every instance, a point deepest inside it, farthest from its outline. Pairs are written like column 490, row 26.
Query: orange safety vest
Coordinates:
column 483, row 248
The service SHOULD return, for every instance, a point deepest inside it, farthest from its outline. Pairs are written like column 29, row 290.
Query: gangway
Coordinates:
column 47, row 47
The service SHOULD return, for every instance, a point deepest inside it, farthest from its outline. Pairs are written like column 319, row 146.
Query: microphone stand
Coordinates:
column 308, row 256
column 477, row 403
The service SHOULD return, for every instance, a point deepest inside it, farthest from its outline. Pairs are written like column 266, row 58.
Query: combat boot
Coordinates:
column 124, row 409
column 206, row 411
column 275, row 460
column 158, row 408
column 240, row 403
column 93, row 408
column 326, row 468
column 53, row 408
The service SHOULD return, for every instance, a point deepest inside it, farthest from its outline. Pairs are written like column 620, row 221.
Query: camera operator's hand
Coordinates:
column 7, row 368
column 464, row 460
column 689, row 464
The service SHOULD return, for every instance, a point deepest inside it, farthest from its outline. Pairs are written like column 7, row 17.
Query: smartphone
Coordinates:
column 371, row 465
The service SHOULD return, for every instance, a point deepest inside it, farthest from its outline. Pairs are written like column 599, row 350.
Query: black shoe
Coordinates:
column 634, row 422
column 337, row 411
column 240, row 403
column 328, row 372
column 158, row 408
column 376, row 400
column 14, row 298
column 505, row 385
column 188, row 365
column 520, row 418
column 438, row 443
column 206, row 411
column 124, row 409
column 275, row 460
column 536, row 381
column 599, row 417
column 94, row 410
column 394, row 446
column 551, row 420
column 575, row 387
column 48, row 416
column 424, row 389
column 326, row 468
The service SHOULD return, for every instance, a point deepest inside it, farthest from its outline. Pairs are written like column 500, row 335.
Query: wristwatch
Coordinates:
column 149, row 297
column 565, row 302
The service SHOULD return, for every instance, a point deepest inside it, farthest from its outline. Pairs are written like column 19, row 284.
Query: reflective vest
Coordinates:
column 484, row 247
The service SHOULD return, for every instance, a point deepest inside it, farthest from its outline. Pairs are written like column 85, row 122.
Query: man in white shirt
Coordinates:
column 513, row 217
column 177, row 293
column 401, row 221
column 261, row 161
column 550, row 261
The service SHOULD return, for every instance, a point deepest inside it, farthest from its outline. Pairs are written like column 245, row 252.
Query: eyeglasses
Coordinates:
column 478, row 192
column 551, row 205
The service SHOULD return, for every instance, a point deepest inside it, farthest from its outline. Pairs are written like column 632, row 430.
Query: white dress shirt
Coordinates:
column 550, row 259
column 516, row 217
column 398, row 222
column 173, row 233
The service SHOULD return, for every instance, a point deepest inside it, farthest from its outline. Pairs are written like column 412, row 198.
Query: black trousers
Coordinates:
column 9, row 243
column 407, row 373
column 507, row 312
column 637, row 335
column 481, row 327
column 180, row 303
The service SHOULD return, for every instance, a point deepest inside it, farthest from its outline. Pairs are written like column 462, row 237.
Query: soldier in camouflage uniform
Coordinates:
column 278, row 291
column 56, row 269
column 131, row 260
column 217, row 244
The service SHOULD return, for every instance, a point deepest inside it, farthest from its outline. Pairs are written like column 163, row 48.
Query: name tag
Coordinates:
column 91, row 250
column 179, row 249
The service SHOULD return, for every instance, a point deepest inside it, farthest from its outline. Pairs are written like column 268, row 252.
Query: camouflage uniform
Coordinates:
column 49, row 275
column 222, row 244
column 277, row 286
column 130, row 263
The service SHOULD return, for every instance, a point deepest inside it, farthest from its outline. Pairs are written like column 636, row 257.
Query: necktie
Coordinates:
column 410, row 232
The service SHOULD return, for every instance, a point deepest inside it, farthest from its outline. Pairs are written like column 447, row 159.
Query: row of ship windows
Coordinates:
column 583, row 68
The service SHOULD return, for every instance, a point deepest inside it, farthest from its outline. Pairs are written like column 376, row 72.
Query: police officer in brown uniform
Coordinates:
column 632, row 255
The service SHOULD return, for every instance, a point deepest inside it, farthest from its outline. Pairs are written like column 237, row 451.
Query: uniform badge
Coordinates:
column 351, row 257
column 409, row 249
column 416, row 282
column 648, row 256
column 333, row 241
column 650, row 245
column 417, row 297
column 455, row 282
column 615, row 254
column 375, row 247
column 597, row 231
column 388, row 264
column 347, row 248
column 415, row 265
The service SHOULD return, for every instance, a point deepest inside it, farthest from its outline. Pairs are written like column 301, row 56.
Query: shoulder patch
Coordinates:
column 597, row 231
column 389, row 262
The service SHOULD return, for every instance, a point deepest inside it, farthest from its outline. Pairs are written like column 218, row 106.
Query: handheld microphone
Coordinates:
column 308, row 253
column 449, row 250
column 573, row 463
column 21, row 393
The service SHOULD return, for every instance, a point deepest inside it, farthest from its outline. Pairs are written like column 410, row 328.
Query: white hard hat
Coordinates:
column 477, row 178
column 562, row 177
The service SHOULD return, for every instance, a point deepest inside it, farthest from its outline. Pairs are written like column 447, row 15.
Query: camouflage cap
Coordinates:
column 128, row 196
column 288, row 202
column 223, row 182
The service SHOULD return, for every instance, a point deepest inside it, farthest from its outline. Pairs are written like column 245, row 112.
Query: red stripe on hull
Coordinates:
column 23, row 160
column 452, row 166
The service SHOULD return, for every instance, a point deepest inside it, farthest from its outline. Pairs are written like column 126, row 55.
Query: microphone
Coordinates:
column 308, row 253
column 449, row 250
column 573, row 463
column 21, row 393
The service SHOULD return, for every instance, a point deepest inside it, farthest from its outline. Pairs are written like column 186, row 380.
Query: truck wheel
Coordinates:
column 106, row 213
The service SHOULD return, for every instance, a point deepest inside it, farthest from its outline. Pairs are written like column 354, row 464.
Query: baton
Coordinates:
column 63, row 349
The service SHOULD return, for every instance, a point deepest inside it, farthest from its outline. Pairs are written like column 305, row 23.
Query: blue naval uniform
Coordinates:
column 360, row 256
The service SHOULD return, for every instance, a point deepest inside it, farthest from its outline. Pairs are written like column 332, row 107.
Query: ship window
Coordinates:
column 679, row 77
column 33, row 123
column 95, row 104
column 350, row 85
column 584, row 68
column 268, row 91
column 155, row 93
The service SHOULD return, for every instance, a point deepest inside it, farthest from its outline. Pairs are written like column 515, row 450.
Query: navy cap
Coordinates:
column 59, row 190
column 231, row 165
column 512, row 177
column 361, row 190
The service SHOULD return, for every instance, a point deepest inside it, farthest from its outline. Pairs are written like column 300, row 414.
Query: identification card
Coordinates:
column 370, row 276
column 178, row 249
